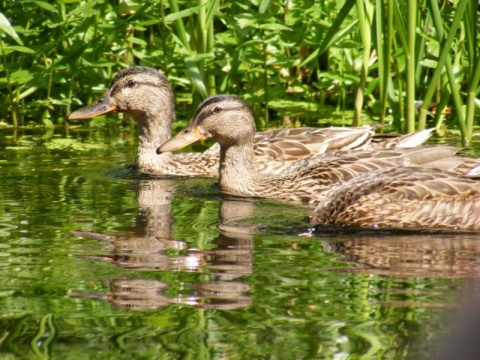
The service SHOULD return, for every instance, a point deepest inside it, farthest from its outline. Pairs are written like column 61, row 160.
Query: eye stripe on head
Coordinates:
column 131, row 83
column 214, row 100
column 143, row 72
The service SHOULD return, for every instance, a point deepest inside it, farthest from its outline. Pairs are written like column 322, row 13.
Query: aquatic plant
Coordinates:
column 401, row 62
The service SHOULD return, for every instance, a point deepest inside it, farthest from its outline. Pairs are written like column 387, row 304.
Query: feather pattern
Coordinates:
column 403, row 198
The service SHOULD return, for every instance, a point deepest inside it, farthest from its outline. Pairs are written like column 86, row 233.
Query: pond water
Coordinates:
column 97, row 262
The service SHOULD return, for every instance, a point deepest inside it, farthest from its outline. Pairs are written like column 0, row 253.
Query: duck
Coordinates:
column 404, row 198
column 333, row 184
column 146, row 95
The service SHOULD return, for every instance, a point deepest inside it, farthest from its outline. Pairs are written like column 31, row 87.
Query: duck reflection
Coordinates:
column 429, row 255
column 145, row 294
column 151, row 246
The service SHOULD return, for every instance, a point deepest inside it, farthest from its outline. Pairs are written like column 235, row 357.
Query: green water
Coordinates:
column 97, row 263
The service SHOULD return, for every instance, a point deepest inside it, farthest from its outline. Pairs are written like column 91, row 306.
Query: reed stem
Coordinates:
column 365, row 10
column 443, row 60
column 410, row 64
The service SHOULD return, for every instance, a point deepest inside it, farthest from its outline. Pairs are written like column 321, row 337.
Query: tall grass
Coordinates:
column 444, row 65
column 389, row 59
column 410, row 62
column 365, row 13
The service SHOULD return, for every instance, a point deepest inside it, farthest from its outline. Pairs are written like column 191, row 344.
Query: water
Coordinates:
column 98, row 263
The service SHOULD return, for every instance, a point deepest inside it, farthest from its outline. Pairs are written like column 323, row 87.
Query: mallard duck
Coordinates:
column 407, row 198
column 229, row 121
column 146, row 95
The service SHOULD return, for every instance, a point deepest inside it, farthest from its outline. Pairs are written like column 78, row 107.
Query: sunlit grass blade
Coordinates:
column 472, row 92
column 192, row 67
column 365, row 11
column 384, row 34
column 445, row 96
column 442, row 60
column 410, row 64
column 209, row 33
column 8, row 29
column 401, row 35
column 473, row 55
column 334, row 33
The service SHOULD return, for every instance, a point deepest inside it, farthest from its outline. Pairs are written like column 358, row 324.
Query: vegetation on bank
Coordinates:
column 388, row 59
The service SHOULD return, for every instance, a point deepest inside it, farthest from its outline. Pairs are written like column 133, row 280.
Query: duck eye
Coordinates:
column 131, row 83
column 217, row 109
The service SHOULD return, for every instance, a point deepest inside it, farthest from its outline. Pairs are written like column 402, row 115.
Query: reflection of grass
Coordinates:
column 6, row 225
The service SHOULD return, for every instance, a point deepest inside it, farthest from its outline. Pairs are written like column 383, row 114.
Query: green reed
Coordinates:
column 410, row 62
column 379, row 57
column 473, row 70
column 444, row 64
column 365, row 14
column 384, row 36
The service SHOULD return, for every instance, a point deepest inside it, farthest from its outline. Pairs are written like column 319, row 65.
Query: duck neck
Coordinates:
column 155, row 128
column 238, row 175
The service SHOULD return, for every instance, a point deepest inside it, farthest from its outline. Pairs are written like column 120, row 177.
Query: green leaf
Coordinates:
column 349, row 44
column 137, row 41
column 340, row 77
column 334, row 32
column 46, row 6
column 139, row 54
column 429, row 63
column 8, row 28
column 263, row 6
column 181, row 14
column 83, row 11
column 245, row 20
column 199, row 57
column 23, row 49
column 312, row 56
column 196, row 78
column 21, row 76
column 274, row 27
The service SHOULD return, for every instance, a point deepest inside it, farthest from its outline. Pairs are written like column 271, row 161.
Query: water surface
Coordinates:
column 97, row 262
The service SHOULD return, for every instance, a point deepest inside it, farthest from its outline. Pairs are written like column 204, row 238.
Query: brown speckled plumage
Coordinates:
column 410, row 197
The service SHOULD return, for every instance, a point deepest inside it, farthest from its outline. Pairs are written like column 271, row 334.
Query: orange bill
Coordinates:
column 104, row 105
column 192, row 133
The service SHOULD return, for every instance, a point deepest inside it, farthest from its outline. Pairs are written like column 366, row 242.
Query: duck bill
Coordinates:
column 192, row 133
column 102, row 106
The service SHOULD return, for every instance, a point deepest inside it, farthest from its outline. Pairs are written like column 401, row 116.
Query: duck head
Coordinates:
column 138, row 91
column 223, row 118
